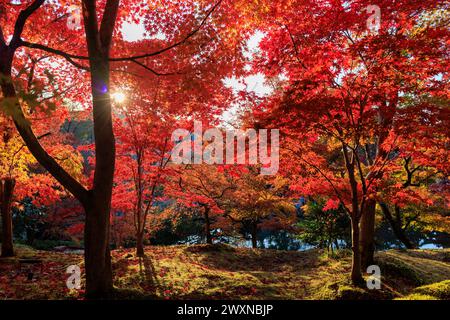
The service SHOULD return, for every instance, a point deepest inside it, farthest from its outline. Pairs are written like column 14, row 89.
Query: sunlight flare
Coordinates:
column 119, row 97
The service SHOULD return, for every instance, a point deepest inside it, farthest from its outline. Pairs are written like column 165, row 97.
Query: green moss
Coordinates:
column 131, row 294
column 49, row 245
column 224, row 272
column 351, row 293
column 326, row 292
column 415, row 267
column 336, row 254
column 417, row 296
column 216, row 247
column 398, row 269
column 439, row 290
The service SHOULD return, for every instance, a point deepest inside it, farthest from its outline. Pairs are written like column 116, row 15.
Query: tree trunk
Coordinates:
column 330, row 237
column 97, row 255
column 6, row 195
column 396, row 227
column 356, row 275
column 336, row 244
column 254, row 234
column 97, row 202
column 367, row 233
column 207, row 226
column 140, row 244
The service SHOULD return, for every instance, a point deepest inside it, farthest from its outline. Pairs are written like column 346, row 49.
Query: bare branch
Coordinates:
column 152, row 70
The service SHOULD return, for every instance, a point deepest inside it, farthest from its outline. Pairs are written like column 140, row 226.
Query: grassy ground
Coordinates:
column 223, row 272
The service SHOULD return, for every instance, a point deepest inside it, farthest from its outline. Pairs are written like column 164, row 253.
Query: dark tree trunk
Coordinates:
column 254, row 234
column 140, row 244
column 356, row 275
column 207, row 226
column 97, row 202
column 367, row 233
column 336, row 244
column 97, row 255
column 98, row 259
column 396, row 226
column 6, row 196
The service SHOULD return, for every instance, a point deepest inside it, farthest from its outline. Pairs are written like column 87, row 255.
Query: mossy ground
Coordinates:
column 224, row 272
column 437, row 290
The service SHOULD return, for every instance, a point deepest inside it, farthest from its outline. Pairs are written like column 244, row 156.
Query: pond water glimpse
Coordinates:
column 283, row 240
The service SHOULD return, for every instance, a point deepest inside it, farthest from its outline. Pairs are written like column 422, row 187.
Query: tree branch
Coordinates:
column 107, row 28
column 108, row 22
column 2, row 38
column 152, row 70
column 69, row 57
column 91, row 27
column 176, row 44
column 32, row 142
column 21, row 20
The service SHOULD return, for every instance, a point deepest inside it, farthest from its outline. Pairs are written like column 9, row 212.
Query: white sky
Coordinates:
column 132, row 32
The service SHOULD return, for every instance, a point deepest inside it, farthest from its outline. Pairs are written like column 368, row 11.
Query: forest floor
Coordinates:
column 224, row 272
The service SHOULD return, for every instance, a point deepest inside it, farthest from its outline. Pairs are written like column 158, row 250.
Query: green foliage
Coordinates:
column 323, row 228
column 337, row 254
column 172, row 231
column 49, row 245
column 28, row 221
column 32, row 229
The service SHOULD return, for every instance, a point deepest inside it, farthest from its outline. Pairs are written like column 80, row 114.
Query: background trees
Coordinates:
column 347, row 93
column 206, row 189
column 323, row 227
column 261, row 203
column 363, row 117
column 21, row 175
column 144, row 135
